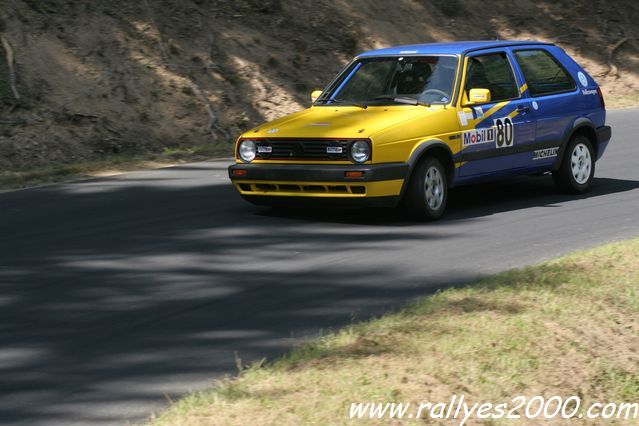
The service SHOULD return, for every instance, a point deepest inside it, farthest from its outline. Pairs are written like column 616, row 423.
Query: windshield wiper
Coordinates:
column 344, row 102
column 409, row 101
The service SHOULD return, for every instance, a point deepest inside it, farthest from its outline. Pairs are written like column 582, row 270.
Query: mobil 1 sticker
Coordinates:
column 478, row 136
column 504, row 134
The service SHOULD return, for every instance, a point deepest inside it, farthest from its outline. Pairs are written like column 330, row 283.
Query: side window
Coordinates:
column 543, row 73
column 492, row 72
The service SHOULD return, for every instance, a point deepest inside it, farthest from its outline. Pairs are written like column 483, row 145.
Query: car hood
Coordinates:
column 339, row 122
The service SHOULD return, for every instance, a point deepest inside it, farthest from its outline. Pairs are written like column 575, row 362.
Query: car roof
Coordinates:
column 451, row 48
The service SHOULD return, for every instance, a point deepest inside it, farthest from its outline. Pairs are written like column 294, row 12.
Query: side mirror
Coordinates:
column 315, row 94
column 478, row 96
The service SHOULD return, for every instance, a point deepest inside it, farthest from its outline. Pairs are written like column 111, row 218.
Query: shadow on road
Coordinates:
column 118, row 294
column 467, row 202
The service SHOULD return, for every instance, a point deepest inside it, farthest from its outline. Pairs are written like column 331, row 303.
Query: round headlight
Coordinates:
column 247, row 150
column 360, row 151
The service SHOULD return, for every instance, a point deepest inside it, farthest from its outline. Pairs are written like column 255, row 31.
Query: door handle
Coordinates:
column 523, row 108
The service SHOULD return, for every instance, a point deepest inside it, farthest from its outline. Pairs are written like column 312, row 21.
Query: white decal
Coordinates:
column 582, row 79
column 264, row 149
column 535, row 105
column 540, row 154
column 505, row 137
column 272, row 130
column 407, row 52
column 334, row 150
column 462, row 118
column 479, row 112
column 478, row 136
column 588, row 92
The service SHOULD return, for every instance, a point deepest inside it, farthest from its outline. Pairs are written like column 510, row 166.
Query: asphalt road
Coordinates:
column 118, row 291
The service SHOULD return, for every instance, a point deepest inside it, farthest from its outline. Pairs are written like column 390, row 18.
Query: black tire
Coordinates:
column 567, row 178
column 418, row 201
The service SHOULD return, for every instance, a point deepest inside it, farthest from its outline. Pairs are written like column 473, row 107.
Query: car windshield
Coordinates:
column 394, row 80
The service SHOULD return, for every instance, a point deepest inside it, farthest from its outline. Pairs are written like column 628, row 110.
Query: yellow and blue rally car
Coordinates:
column 405, row 124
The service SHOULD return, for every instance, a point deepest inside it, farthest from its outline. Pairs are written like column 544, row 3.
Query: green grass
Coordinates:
column 21, row 177
column 566, row 327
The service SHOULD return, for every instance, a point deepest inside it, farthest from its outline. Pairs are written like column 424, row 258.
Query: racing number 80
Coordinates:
column 505, row 136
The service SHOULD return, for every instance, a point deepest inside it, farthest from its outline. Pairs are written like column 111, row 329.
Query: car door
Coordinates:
column 554, row 97
column 495, row 132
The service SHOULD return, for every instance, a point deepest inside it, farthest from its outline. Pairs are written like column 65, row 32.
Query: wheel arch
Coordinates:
column 581, row 126
column 435, row 148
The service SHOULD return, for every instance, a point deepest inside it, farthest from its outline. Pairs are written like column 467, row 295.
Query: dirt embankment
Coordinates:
column 106, row 77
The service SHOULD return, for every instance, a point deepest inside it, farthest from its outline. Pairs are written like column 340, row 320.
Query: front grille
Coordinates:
column 311, row 149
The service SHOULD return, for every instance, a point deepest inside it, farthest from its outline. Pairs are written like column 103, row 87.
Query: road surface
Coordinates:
column 120, row 291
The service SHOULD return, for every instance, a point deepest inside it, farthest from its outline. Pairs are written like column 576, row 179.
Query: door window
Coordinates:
column 492, row 72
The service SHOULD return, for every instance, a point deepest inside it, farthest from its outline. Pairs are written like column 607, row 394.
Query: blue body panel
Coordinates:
column 498, row 171
column 550, row 123
column 558, row 113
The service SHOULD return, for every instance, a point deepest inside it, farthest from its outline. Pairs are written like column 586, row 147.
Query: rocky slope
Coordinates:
column 96, row 78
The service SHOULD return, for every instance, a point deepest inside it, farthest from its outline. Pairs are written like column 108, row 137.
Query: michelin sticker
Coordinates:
column 540, row 154
column 582, row 78
column 478, row 136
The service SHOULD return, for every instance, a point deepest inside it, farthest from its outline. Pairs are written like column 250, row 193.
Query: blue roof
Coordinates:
column 454, row 48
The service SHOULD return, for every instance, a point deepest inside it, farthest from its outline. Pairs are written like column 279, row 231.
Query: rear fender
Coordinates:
column 580, row 125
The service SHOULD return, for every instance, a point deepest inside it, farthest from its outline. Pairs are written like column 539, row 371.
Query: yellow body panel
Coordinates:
column 395, row 132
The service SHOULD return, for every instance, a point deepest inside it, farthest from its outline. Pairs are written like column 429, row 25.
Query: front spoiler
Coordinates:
column 323, row 202
column 314, row 184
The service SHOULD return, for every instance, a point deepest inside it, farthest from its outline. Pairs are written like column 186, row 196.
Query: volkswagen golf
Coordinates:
column 403, row 125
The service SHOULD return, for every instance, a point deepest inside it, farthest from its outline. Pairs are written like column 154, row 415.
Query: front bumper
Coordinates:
column 379, row 184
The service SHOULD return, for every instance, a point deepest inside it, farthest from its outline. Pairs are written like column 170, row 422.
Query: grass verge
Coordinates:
column 13, row 178
column 622, row 101
column 564, row 327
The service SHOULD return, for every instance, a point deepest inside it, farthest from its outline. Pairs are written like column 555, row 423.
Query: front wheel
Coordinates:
column 577, row 167
column 427, row 192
